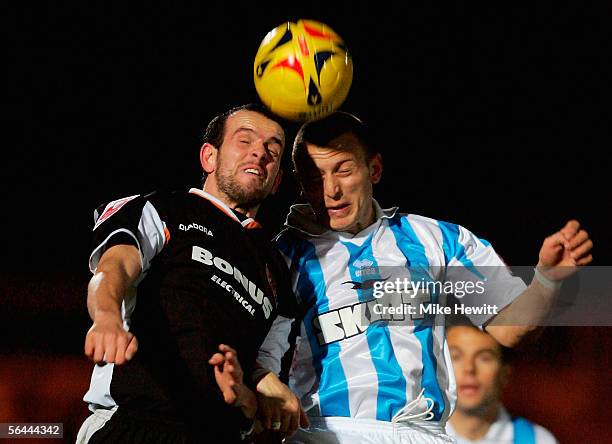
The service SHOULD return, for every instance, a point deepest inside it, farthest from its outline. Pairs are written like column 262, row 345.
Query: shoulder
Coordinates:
column 288, row 243
column 541, row 435
column 544, row 436
column 420, row 222
column 425, row 228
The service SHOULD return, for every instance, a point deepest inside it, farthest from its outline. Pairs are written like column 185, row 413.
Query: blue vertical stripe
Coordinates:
column 333, row 388
column 416, row 260
column 391, row 383
column 453, row 248
column 524, row 432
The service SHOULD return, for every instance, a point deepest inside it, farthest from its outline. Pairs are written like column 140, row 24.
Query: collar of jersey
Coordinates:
column 249, row 222
column 301, row 217
column 496, row 430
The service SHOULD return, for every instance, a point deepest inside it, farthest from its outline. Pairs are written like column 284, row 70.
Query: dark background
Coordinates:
column 495, row 118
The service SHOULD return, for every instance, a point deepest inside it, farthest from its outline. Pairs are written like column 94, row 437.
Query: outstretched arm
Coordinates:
column 560, row 256
column 107, row 341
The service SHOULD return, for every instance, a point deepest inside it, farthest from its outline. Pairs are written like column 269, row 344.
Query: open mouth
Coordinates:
column 468, row 389
column 338, row 210
column 254, row 171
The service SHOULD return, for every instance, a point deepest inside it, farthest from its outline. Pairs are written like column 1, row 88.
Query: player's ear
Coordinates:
column 208, row 157
column 277, row 181
column 376, row 168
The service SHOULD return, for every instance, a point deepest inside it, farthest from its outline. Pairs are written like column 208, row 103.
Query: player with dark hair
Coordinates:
column 184, row 283
column 482, row 369
column 364, row 377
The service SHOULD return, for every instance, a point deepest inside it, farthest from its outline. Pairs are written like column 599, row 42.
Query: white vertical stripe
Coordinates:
column 429, row 234
column 406, row 346
column 355, row 357
column 151, row 235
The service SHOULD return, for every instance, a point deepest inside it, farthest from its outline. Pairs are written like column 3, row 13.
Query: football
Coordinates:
column 303, row 71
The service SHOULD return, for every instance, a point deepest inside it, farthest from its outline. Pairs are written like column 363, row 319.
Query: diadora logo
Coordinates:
column 195, row 226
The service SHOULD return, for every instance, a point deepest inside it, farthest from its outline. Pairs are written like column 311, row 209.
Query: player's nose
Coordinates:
column 468, row 366
column 259, row 151
column 331, row 187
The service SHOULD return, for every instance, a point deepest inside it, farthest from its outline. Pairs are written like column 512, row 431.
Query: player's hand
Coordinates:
column 564, row 251
column 279, row 409
column 108, row 342
column 229, row 377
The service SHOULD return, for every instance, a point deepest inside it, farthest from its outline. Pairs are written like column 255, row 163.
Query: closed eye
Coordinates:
column 274, row 152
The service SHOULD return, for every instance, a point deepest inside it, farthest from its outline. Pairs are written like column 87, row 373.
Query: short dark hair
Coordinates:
column 215, row 131
column 321, row 132
column 507, row 354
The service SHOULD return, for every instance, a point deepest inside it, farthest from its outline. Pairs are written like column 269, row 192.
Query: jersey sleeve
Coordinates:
column 133, row 220
column 276, row 343
column 287, row 303
column 472, row 263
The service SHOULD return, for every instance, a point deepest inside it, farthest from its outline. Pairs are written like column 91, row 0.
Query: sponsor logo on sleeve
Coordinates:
column 111, row 208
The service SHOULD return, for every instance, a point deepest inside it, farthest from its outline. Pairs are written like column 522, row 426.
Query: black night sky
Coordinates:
column 493, row 118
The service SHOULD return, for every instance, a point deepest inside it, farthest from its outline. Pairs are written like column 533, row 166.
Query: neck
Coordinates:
column 474, row 426
column 248, row 212
column 211, row 189
column 370, row 219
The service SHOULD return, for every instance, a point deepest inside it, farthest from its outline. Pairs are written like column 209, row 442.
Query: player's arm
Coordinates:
column 559, row 258
column 107, row 340
column 279, row 408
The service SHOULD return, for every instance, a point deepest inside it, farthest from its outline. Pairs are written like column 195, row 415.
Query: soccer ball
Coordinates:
column 302, row 70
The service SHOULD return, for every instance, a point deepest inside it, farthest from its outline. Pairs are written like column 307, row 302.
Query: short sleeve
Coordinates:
column 473, row 264
column 132, row 220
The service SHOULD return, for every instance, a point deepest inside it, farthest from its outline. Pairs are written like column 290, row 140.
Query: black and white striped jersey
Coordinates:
column 209, row 276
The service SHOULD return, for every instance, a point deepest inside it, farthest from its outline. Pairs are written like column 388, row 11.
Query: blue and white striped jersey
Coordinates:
column 508, row 430
column 379, row 370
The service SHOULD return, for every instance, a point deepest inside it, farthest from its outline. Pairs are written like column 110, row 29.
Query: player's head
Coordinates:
column 241, row 155
column 481, row 369
column 337, row 167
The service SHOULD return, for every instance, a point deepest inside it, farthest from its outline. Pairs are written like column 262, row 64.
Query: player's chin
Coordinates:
column 341, row 223
column 250, row 182
column 251, row 185
column 470, row 406
column 255, row 194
